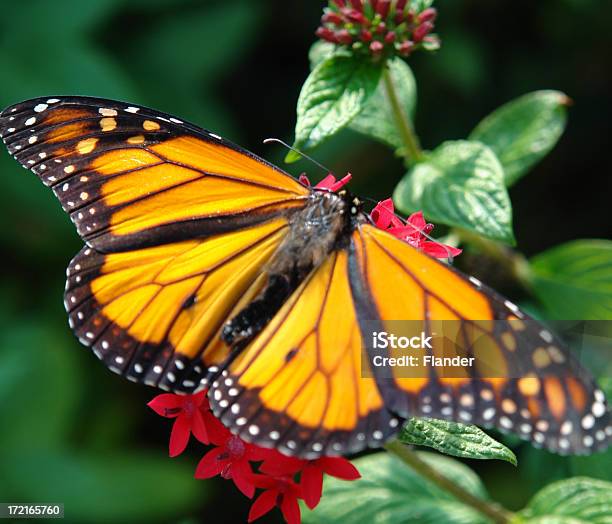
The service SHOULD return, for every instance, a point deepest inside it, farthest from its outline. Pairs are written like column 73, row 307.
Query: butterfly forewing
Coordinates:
column 132, row 177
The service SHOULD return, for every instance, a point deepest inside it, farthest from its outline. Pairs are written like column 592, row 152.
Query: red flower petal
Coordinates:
column 339, row 468
column 179, row 437
column 311, row 482
column 210, row 465
column 198, row 427
column 264, row 481
column 439, row 250
column 304, row 180
column 383, row 214
column 278, row 464
column 341, row 183
column 241, row 475
column 218, row 434
column 200, row 399
column 263, row 504
column 161, row 404
column 291, row 509
column 417, row 220
column 327, row 182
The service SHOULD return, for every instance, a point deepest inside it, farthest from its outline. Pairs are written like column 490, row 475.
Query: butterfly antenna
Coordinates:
column 303, row 155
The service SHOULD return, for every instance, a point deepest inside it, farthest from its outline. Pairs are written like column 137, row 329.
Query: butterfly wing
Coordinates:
column 130, row 177
column 524, row 379
column 178, row 222
column 155, row 314
column 298, row 386
column 306, row 386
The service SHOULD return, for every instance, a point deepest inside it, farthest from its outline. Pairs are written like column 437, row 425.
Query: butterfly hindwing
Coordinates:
column 154, row 314
column 524, row 380
column 132, row 177
column 298, row 386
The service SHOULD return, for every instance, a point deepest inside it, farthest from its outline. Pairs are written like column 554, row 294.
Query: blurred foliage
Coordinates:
column 74, row 433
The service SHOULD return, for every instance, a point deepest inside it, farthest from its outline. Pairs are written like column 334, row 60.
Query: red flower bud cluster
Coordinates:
column 283, row 480
column 380, row 28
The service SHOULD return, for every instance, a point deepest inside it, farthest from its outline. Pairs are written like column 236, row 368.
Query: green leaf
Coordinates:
column 320, row 51
column 574, row 280
column 524, row 130
column 334, row 93
column 391, row 492
column 580, row 499
column 453, row 438
column 377, row 119
column 460, row 184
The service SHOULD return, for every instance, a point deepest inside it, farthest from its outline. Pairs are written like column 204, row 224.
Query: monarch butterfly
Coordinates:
column 207, row 267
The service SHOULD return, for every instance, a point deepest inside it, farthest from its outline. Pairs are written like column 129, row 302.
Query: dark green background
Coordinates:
column 73, row 432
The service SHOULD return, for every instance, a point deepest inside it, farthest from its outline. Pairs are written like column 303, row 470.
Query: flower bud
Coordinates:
column 390, row 37
column 332, row 18
column 406, row 47
column 382, row 8
column 376, row 47
column 401, row 4
column 422, row 31
column 357, row 17
column 428, row 15
column 344, row 37
column 326, row 34
column 357, row 5
column 366, row 36
column 382, row 28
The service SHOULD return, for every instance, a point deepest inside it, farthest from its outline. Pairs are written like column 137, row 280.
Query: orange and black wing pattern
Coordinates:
column 307, row 386
column 130, row 177
column 523, row 379
column 179, row 225
column 298, row 385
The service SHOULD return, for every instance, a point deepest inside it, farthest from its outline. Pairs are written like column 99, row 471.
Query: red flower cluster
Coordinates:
column 380, row 27
column 283, row 480
column 414, row 230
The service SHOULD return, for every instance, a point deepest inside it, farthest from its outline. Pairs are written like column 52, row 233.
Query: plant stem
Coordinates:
column 412, row 148
column 494, row 511
column 512, row 261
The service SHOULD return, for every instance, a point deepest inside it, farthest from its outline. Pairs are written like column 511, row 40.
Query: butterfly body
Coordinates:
column 314, row 232
column 207, row 267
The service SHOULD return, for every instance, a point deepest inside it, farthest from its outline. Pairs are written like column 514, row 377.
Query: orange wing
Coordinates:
column 130, row 177
column 308, row 386
column 179, row 226
column 298, row 385
column 155, row 314
column 524, row 379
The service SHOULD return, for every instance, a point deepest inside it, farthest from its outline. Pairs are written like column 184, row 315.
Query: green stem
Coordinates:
column 512, row 261
column 494, row 511
column 412, row 148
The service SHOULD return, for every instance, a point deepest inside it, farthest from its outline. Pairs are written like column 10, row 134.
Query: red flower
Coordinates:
column 415, row 231
column 329, row 182
column 192, row 414
column 230, row 459
column 311, row 479
column 278, row 491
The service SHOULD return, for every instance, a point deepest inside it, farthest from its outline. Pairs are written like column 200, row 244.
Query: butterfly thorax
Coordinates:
column 314, row 232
